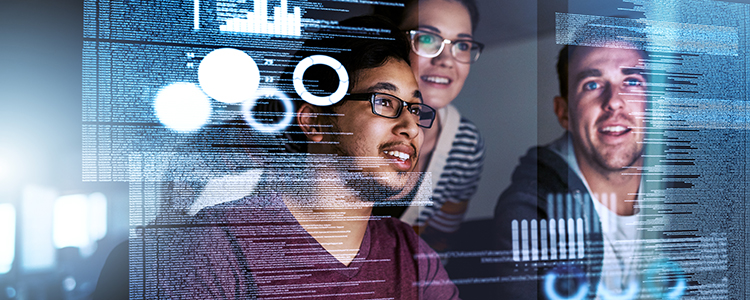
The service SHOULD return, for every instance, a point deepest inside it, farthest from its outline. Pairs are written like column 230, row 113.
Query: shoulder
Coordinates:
column 467, row 147
column 389, row 227
column 393, row 233
column 468, row 134
column 259, row 207
column 539, row 172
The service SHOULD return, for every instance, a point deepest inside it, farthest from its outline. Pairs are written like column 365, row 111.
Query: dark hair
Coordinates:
column 358, row 43
column 597, row 33
column 397, row 14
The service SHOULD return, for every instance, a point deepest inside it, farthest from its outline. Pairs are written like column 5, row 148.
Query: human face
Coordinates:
column 385, row 149
column 606, row 101
column 440, row 78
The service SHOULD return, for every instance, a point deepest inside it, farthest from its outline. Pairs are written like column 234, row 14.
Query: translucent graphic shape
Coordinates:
column 673, row 287
column 267, row 93
column 182, row 106
column 551, row 278
column 228, row 75
column 309, row 61
column 630, row 293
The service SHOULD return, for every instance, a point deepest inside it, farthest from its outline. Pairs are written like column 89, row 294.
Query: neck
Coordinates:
column 337, row 219
column 617, row 190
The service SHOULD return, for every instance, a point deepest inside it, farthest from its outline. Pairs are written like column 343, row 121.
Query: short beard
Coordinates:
column 629, row 161
column 368, row 188
column 364, row 183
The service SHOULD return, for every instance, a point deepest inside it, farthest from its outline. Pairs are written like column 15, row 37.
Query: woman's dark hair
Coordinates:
column 397, row 14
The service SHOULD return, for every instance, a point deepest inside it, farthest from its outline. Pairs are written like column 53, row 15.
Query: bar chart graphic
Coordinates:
column 548, row 239
column 257, row 21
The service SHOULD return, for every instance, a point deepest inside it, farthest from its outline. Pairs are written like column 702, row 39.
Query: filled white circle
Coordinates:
column 182, row 106
column 268, row 93
column 228, row 75
column 309, row 61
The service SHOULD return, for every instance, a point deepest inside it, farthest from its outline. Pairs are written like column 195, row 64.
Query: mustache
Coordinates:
column 391, row 144
column 616, row 117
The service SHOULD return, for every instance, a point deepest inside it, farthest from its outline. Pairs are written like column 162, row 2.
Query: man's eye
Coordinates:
column 384, row 102
column 590, row 86
column 633, row 82
column 415, row 110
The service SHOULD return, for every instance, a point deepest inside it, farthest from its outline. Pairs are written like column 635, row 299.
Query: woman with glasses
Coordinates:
column 443, row 49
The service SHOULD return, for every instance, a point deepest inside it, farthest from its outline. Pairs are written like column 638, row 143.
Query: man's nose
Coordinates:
column 613, row 97
column 406, row 125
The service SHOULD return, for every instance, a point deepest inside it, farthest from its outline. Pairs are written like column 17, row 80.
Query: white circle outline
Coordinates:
column 269, row 128
column 309, row 61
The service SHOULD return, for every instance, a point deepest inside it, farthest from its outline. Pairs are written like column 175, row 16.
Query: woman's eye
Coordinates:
column 590, row 86
column 426, row 39
column 463, row 46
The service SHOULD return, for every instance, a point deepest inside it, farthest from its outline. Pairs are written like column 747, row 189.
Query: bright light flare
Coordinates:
column 229, row 75
column 79, row 221
column 97, row 216
column 7, row 236
column 182, row 106
column 70, row 218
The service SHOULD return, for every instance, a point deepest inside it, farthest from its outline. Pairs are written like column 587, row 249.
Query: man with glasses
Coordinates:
column 307, row 230
column 443, row 51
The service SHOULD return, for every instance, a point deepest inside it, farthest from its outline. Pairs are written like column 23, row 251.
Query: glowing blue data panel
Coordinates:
column 142, row 61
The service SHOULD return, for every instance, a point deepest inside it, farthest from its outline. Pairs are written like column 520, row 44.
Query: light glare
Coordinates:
column 7, row 236
column 97, row 216
column 36, row 214
column 182, row 106
column 229, row 75
column 69, row 222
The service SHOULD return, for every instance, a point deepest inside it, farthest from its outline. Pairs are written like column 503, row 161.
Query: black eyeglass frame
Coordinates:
column 372, row 96
column 413, row 32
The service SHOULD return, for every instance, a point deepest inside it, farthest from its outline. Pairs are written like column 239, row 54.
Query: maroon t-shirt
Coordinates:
column 254, row 247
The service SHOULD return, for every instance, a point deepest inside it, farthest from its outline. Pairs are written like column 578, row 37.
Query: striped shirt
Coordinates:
column 455, row 167
column 459, row 180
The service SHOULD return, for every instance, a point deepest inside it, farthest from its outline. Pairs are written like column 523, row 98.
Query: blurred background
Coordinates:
column 55, row 230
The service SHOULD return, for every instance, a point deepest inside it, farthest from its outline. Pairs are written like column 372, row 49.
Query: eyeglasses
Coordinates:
column 428, row 44
column 390, row 106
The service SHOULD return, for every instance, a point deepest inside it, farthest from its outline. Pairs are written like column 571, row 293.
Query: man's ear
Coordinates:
column 309, row 121
column 561, row 110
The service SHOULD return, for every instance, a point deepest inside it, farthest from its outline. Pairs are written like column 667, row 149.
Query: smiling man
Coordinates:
column 307, row 231
column 568, row 220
